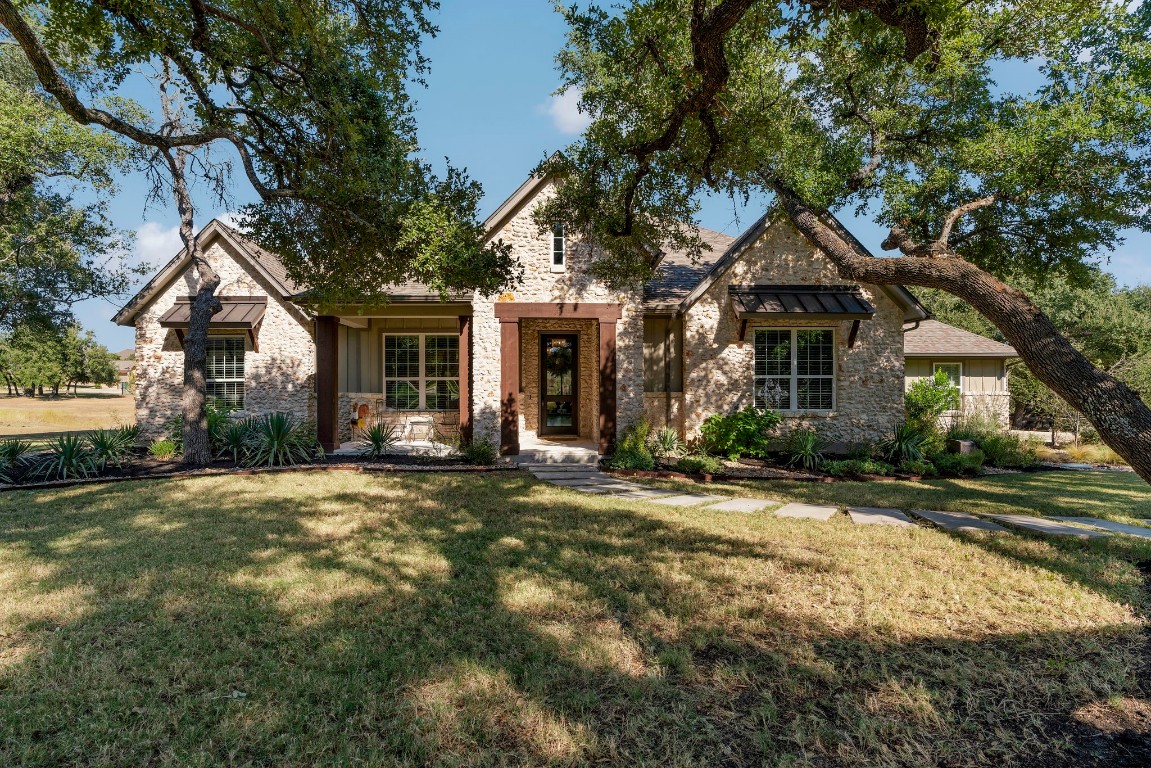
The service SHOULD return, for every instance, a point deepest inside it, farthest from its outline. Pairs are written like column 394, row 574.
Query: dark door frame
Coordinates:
column 544, row 429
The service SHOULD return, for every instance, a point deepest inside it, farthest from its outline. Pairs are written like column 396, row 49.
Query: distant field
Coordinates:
column 91, row 409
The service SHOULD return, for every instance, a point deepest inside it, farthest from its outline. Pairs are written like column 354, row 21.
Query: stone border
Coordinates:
column 249, row 471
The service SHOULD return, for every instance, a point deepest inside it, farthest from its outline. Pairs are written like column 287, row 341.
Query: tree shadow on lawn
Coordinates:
column 404, row 621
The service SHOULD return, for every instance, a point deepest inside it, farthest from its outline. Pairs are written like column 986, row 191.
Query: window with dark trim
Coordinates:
column 559, row 254
column 794, row 369
column 224, row 372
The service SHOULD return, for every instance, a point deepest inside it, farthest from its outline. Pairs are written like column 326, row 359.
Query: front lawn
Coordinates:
column 305, row 619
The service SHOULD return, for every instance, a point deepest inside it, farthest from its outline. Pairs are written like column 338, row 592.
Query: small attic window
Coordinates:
column 559, row 257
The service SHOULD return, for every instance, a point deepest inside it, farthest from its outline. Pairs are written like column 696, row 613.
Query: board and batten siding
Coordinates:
column 984, row 382
column 362, row 349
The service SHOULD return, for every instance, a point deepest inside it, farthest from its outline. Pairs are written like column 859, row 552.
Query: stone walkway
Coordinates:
column 582, row 475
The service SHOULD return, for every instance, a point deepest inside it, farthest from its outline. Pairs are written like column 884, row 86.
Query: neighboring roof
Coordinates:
column 126, row 354
column 814, row 301
column 236, row 312
column 264, row 263
column 678, row 273
column 935, row 339
column 913, row 311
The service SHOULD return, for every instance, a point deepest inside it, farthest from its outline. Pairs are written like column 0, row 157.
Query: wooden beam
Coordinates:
column 851, row 336
column 742, row 330
column 607, row 383
column 356, row 322
column 327, row 381
column 465, row 378
column 513, row 310
column 509, row 387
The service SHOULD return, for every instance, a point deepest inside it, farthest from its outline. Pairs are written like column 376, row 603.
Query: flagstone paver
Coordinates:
column 550, row 476
column 1049, row 527
column 687, row 500
column 1108, row 525
column 957, row 521
column 742, row 505
column 879, row 516
column 806, row 511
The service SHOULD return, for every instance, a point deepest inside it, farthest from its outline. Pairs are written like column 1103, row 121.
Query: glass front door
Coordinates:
column 559, row 382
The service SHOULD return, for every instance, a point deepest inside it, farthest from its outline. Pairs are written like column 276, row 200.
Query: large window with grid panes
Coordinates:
column 421, row 372
column 224, row 372
column 794, row 369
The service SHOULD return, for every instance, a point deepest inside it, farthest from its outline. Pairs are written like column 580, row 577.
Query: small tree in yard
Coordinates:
column 892, row 109
column 310, row 100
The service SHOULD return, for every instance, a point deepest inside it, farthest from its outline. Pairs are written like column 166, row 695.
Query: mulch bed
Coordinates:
column 151, row 468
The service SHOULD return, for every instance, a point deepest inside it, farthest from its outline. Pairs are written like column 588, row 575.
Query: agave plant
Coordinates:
column 665, row 444
column 805, row 448
column 15, row 456
column 68, row 457
column 111, row 446
column 905, row 443
column 377, row 440
column 280, row 439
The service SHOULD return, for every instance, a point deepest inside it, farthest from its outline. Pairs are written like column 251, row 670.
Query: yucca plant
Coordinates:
column 665, row 444
column 69, row 457
column 280, row 439
column 233, row 438
column 377, row 440
column 111, row 446
column 15, row 457
column 905, row 443
column 805, row 449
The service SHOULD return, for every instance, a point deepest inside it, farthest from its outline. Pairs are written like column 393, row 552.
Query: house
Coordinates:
column 976, row 365
column 761, row 319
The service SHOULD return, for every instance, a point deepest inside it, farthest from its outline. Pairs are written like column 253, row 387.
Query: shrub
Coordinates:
column 378, row 440
column 111, row 446
column 700, row 464
column 925, row 468
column 631, row 451
column 15, row 457
column 480, row 452
column 905, row 443
column 927, row 400
column 667, row 445
column 974, row 426
column 68, row 457
column 956, row 464
column 805, row 448
column 164, row 448
column 218, row 419
column 744, row 433
column 1006, row 450
column 280, row 439
column 857, row 467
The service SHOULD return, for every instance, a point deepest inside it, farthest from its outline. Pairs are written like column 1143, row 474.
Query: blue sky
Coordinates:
column 489, row 107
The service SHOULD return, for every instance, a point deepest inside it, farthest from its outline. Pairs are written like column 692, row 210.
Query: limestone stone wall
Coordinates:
column 665, row 409
column 540, row 284
column 588, row 331
column 280, row 377
column 718, row 369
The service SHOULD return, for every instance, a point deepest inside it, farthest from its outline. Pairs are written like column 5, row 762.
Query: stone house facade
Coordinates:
column 762, row 319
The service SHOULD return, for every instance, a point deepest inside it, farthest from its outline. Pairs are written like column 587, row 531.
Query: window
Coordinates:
column 224, row 372
column 954, row 373
column 421, row 372
column 795, row 369
column 558, row 255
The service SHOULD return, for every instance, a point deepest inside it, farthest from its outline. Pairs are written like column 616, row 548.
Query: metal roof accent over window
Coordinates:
column 236, row 312
column 827, row 302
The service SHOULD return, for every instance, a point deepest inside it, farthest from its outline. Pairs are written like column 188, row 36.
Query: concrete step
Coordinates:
column 553, row 457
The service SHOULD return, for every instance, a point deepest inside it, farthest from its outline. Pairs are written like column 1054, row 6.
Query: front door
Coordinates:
column 559, row 384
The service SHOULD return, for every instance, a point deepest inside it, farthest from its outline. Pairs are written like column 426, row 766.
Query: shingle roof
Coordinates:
column 935, row 339
column 677, row 274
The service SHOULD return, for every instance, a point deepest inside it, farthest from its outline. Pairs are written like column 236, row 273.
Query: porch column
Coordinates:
column 465, row 378
column 509, row 386
column 607, row 404
column 327, row 381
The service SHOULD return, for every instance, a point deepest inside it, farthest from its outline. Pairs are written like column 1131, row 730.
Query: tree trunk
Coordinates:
column 193, row 403
column 1121, row 418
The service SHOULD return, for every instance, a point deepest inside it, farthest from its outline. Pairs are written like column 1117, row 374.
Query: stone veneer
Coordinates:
column 540, row 284
column 280, row 377
column 718, row 369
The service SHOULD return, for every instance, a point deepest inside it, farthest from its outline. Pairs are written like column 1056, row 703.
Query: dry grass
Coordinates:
column 468, row 620
column 92, row 409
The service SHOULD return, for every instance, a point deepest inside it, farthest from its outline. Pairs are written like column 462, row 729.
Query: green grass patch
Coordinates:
column 493, row 620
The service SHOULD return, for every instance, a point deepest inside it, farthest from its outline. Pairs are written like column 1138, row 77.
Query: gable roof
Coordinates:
column 264, row 263
column 912, row 310
column 935, row 339
column 677, row 273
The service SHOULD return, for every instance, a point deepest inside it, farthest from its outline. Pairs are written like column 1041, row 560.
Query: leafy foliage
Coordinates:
column 377, row 440
column 956, row 464
column 35, row 357
column 164, row 448
column 926, row 400
column 631, row 450
column 805, row 449
column 280, row 439
column 700, row 464
column 857, row 467
column 747, row 432
column 480, row 452
column 68, row 457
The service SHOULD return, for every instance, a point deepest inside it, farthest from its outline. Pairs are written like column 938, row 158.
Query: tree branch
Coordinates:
column 954, row 217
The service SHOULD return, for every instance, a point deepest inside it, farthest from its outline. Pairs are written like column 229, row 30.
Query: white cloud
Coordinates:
column 157, row 244
column 565, row 113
